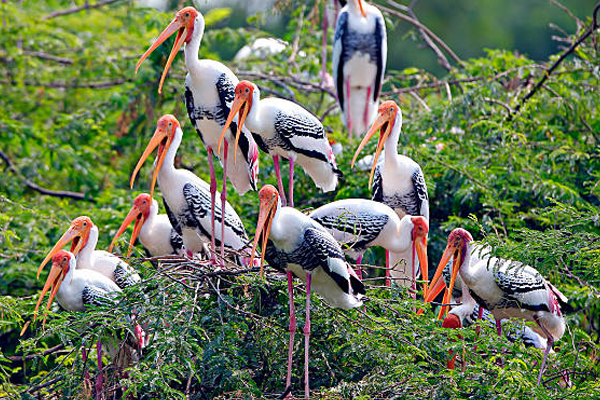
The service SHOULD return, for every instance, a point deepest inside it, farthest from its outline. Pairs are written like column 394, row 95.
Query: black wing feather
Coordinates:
column 379, row 38
column 172, row 218
column 341, row 30
column 377, row 188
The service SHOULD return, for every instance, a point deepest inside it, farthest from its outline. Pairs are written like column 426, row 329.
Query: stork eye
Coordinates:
column 64, row 259
column 247, row 90
column 187, row 14
column 84, row 223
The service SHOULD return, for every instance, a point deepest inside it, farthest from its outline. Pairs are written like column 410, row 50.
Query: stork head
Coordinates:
column 77, row 234
column 456, row 249
column 184, row 24
column 388, row 115
column 138, row 213
column 166, row 127
column 62, row 262
column 242, row 103
column 269, row 203
column 419, row 240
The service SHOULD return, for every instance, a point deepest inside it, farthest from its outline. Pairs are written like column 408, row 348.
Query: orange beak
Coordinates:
column 70, row 235
column 135, row 214
column 362, row 10
column 450, row 252
column 241, row 105
column 162, row 140
column 383, row 123
column 420, row 247
column 174, row 26
column 265, row 220
column 54, row 279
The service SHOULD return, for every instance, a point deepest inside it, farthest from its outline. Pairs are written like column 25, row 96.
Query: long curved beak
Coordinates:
column 162, row 140
column 420, row 247
column 449, row 252
column 236, row 107
column 362, row 10
column 174, row 26
column 135, row 214
column 54, row 279
column 382, row 122
column 265, row 220
column 67, row 237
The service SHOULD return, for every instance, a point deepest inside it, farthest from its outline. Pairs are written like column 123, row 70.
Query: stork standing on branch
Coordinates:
column 283, row 128
column 295, row 243
column 359, row 58
column 508, row 289
column 209, row 88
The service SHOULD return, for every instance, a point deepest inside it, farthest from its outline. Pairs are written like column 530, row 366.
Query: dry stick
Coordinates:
column 64, row 85
column 32, row 356
column 73, row 10
column 563, row 56
column 37, row 188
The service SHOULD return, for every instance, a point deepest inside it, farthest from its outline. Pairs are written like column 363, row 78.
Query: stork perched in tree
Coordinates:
column 359, row 58
column 188, row 197
column 283, row 128
column 209, row 88
column 76, row 289
column 157, row 235
column 508, row 289
column 295, row 243
column 84, row 237
column 358, row 224
column 399, row 181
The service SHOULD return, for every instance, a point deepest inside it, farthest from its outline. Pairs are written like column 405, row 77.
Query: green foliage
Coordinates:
column 78, row 121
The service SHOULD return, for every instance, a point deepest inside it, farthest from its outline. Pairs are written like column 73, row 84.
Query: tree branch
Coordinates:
column 64, row 85
column 73, row 10
column 39, row 189
column 43, row 353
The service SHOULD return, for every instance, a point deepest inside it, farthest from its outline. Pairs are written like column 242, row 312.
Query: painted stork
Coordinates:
column 359, row 58
column 156, row 233
column 75, row 290
column 186, row 196
column 84, row 237
column 508, row 289
column 358, row 224
column 209, row 88
column 295, row 243
column 283, row 128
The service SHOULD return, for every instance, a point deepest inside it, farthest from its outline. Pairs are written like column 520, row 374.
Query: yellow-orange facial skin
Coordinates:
column 183, row 24
column 268, row 197
column 138, row 213
column 60, row 268
column 420, row 231
column 162, row 138
column 242, row 102
column 78, row 233
column 384, row 123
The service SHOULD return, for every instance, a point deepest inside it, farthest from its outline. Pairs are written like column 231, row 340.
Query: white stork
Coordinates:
column 359, row 58
column 508, row 289
column 295, row 243
column 84, row 237
column 399, row 181
column 283, row 128
column 358, row 224
column 76, row 289
column 156, row 233
column 188, row 197
column 209, row 88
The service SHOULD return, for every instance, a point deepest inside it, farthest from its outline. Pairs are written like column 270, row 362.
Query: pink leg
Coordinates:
column 88, row 385
column 548, row 347
column 324, row 45
column 359, row 261
column 213, row 195
column 290, row 277
column 291, row 183
column 499, row 327
column 366, row 113
column 100, row 377
column 387, row 268
column 279, row 181
column 349, row 118
column 414, row 270
column 223, row 201
column 307, row 337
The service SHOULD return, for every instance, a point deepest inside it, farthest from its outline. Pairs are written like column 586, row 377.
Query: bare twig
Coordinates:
column 564, row 55
column 568, row 12
column 65, row 85
column 73, row 10
column 46, row 56
column 39, row 189
column 43, row 353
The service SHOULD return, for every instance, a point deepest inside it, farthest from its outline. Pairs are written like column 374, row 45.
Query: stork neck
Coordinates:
column 168, row 165
column 84, row 258
column 253, row 120
column 391, row 143
column 354, row 7
column 404, row 238
column 193, row 46
column 146, row 228
column 69, row 275
column 466, row 270
column 276, row 230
